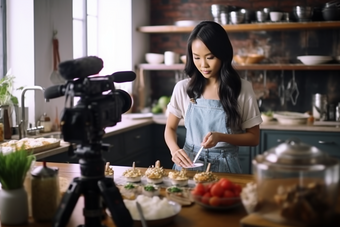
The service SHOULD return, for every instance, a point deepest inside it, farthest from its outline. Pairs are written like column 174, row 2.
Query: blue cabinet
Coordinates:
column 326, row 141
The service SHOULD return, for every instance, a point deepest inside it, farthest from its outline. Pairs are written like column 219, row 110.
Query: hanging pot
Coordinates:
column 14, row 206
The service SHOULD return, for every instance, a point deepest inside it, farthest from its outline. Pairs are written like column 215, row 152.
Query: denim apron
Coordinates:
column 203, row 116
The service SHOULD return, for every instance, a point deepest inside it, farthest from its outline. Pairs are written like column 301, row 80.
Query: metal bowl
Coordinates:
column 303, row 13
column 236, row 17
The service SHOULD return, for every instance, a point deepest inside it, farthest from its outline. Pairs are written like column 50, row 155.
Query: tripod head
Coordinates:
column 100, row 105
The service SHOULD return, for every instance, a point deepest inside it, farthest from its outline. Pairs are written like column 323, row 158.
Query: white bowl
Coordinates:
column 275, row 16
column 184, row 58
column 291, row 118
column 314, row 59
column 266, row 118
column 154, row 58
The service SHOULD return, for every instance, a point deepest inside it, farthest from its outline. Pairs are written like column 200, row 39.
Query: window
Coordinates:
column 3, row 50
column 85, row 28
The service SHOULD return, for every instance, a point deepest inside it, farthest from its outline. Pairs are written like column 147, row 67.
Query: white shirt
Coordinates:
column 248, row 107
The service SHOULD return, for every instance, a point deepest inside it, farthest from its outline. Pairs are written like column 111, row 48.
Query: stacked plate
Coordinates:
column 314, row 59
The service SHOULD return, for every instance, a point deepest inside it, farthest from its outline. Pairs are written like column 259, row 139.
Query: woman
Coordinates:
column 218, row 107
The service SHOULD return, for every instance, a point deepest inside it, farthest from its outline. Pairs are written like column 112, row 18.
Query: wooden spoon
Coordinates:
column 55, row 77
column 208, row 168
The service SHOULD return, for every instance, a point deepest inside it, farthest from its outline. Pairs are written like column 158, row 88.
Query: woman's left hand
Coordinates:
column 210, row 140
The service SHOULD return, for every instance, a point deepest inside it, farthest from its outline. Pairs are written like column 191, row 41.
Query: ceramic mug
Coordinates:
column 171, row 58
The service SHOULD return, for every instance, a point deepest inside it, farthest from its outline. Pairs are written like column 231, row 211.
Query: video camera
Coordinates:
column 100, row 104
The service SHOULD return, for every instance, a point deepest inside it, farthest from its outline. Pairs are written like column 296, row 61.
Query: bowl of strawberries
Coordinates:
column 220, row 195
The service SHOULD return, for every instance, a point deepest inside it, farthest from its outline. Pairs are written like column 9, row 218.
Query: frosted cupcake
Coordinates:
column 154, row 174
column 179, row 178
column 133, row 175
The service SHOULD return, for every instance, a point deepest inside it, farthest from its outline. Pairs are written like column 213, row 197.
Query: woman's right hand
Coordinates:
column 180, row 158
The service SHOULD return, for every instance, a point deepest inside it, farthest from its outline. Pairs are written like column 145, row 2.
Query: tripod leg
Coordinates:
column 67, row 204
column 114, row 201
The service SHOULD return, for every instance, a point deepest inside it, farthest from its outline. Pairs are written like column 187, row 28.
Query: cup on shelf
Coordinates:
column 275, row 16
column 171, row 58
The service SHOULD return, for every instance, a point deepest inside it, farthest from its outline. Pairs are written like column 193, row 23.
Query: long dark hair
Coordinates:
column 217, row 41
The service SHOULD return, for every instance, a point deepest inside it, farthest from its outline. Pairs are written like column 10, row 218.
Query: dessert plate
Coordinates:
column 195, row 165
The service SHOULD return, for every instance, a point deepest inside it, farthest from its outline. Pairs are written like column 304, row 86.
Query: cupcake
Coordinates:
column 154, row 174
column 179, row 178
column 133, row 175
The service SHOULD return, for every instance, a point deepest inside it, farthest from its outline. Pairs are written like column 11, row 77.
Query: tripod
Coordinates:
column 94, row 186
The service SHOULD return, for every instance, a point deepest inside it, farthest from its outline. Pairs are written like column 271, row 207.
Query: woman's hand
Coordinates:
column 210, row 140
column 181, row 158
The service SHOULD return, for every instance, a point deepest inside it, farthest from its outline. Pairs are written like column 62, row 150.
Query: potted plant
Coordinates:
column 6, row 88
column 8, row 103
column 14, row 166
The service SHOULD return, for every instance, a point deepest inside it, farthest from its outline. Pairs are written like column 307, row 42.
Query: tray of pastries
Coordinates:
column 34, row 145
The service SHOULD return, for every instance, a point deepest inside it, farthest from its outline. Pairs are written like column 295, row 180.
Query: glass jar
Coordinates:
column 45, row 193
column 296, row 184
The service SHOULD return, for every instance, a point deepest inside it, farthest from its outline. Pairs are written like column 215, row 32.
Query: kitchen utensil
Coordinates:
column 142, row 218
column 293, row 89
column 319, row 104
column 55, row 77
column 261, row 16
column 294, row 171
column 198, row 154
column 303, row 13
column 331, row 13
column 275, row 16
column 282, row 90
column 236, row 17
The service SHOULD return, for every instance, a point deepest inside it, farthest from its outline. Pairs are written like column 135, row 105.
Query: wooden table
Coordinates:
column 190, row 216
column 194, row 215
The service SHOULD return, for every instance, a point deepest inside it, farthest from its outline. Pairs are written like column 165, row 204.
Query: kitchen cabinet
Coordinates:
column 161, row 151
column 125, row 148
column 326, row 141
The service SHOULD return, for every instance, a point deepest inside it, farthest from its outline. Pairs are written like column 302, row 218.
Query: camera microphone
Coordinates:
column 123, row 76
column 54, row 91
column 81, row 67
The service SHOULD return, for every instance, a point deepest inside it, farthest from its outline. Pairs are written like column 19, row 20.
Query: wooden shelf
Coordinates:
column 248, row 67
column 269, row 26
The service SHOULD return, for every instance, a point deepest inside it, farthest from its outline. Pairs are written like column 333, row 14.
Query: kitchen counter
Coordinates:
column 189, row 216
column 128, row 124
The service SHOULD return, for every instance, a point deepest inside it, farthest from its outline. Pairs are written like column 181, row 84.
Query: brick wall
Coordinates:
column 280, row 46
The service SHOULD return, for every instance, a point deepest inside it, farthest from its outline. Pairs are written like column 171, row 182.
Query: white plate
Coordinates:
column 291, row 118
column 195, row 165
column 314, row 59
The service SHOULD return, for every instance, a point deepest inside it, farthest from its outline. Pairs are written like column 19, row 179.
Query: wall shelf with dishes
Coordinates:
column 268, row 26
column 142, row 67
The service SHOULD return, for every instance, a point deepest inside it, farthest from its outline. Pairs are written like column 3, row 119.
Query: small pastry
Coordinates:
column 108, row 170
column 179, row 178
column 205, row 177
column 150, row 190
column 154, row 174
column 133, row 175
column 179, row 195
column 130, row 191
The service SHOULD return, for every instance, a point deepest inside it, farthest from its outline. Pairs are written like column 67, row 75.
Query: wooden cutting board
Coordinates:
column 254, row 220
